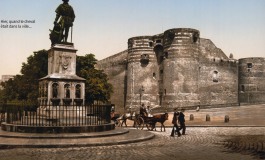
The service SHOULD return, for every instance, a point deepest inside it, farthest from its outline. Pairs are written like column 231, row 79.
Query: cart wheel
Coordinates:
column 139, row 123
column 149, row 126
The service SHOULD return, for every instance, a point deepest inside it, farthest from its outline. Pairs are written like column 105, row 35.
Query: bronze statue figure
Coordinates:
column 65, row 17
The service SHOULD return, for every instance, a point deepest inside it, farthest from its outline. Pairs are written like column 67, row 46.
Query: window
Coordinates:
column 144, row 58
column 158, row 41
column 215, row 76
column 242, row 88
column 166, row 54
column 195, row 37
column 151, row 44
column 249, row 66
column 154, row 75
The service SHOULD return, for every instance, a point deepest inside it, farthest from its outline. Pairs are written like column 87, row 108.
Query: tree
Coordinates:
column 25, row 87
column 97, row 86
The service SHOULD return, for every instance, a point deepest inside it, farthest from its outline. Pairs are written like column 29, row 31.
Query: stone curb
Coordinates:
column 132, row 136
column 115, row 132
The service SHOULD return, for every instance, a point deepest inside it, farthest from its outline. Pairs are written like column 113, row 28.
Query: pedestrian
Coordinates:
column 181, row 120
column 143, row 112
column 148, row 110
column 175, row 128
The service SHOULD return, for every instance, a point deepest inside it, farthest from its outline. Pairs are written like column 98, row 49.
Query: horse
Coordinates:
column 123, row 119
column 161, row 118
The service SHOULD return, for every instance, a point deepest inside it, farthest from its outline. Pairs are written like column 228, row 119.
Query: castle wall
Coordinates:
column 251, row 80
column 115, row 67
column 217, row 76
column 218, row 83
column 179, row 69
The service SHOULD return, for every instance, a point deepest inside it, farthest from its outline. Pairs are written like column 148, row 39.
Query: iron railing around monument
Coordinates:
column 61, row 115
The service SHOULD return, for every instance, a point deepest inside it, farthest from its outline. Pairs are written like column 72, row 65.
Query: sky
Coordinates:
column 103, row 27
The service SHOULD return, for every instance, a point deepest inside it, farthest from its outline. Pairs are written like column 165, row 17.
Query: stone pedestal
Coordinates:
column 62, row 86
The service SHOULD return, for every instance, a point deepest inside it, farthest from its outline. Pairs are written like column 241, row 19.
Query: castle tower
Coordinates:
column 251, row 73
column 141, row 72
column 62, row 85
column 180, row 67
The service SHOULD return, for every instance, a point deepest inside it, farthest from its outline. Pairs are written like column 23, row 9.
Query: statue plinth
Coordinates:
column 62, row 82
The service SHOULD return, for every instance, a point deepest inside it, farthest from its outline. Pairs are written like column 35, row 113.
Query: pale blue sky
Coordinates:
column 102, row 27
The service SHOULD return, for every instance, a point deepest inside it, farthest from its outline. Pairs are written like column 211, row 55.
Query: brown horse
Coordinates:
column 161, row 118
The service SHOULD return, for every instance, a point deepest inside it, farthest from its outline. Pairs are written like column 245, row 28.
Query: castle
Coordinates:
column 178, row 68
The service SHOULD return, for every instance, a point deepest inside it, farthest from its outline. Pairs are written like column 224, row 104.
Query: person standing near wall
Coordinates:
column 181, row 120
column 175, row 128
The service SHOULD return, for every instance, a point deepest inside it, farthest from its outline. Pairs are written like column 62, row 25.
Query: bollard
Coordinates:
column 191, row 117
column 226, row 118
column 208, row 117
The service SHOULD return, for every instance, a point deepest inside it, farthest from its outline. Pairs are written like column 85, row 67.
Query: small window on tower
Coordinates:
column 249, row 65
column 154, row 75
column 166, row 54
column 215, row 76
column 151, row 44
column 242, row 88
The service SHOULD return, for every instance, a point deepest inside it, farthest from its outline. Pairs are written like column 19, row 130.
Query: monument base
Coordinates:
column 57, row 129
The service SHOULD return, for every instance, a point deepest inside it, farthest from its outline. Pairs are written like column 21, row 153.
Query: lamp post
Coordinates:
column 141, row 90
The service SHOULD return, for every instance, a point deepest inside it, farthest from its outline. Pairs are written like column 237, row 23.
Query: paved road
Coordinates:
column 244, row 143
column 251, row 115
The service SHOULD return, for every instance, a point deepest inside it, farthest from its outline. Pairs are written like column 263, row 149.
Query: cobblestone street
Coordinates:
column 200, row 143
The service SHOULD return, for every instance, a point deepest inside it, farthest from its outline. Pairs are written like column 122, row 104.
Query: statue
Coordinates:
column 55, row 90
column 65, row 17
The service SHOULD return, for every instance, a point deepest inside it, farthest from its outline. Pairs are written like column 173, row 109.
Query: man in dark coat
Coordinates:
column 181, row 120
column 175, row 128
column 67, row 16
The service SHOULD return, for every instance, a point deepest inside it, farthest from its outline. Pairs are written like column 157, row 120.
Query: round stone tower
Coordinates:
column 141, row 72
column 180, row 67
column 251, row 73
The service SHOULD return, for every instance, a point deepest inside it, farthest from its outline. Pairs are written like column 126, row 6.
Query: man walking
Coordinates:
column 181, row 120
column 175, row 128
